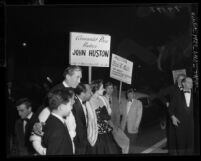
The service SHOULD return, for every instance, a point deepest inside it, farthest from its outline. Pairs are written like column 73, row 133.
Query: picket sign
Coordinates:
column 87, row 49
column 121, row 69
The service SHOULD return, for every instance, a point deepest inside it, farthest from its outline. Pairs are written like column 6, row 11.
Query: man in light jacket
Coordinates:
column 132, row 116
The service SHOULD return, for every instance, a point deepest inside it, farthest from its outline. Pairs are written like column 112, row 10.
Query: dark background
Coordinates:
column 45, row 30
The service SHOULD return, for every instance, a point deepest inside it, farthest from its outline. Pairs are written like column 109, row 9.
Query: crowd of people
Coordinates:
column 84, row 119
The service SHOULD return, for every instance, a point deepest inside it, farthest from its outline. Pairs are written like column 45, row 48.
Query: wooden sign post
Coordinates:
column 90, row 73
column 120, row 87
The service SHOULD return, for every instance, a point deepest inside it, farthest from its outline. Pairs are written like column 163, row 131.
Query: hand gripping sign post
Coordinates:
column 88, row 49
column 121, row 69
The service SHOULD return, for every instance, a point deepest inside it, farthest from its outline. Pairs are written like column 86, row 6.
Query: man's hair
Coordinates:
column 184, row 79
column 70, row 70
column 59, row 96
column 80, row 88
column 108, row 84
column 95, row 85
column 130, row 90
column 25, row 101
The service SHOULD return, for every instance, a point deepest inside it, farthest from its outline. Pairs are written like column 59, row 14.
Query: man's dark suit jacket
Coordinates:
column 178, row 106
column 80, row 140
column 58, row 86
column 22, row 143
column 56, row 137
column 185, row 129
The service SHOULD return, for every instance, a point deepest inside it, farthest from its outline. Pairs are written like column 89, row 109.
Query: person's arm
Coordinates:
column 172, row 107
column 36, row 142
column 175, row 120
column 139, row 114
column 36, row 137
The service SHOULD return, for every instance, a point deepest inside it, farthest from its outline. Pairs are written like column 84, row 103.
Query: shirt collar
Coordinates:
column 65, row 84
column 30, row 115
column 80, row 100
column 59, row 117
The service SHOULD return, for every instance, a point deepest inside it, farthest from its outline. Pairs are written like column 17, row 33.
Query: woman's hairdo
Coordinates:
column 95, row 85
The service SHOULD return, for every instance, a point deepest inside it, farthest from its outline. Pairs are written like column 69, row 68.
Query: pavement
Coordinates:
column 150, row 140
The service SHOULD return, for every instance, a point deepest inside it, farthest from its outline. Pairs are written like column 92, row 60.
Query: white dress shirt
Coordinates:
column 187, row 98
column 128, row 106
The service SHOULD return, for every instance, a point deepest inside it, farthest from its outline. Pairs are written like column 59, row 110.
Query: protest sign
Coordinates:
column 121, row 69
column 89, row 49
column 175, row 73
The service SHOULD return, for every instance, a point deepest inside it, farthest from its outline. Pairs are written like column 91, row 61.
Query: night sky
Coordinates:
column 37, row 39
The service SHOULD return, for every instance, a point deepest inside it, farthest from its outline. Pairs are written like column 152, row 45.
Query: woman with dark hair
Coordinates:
column 111, row 102
column 105, row 143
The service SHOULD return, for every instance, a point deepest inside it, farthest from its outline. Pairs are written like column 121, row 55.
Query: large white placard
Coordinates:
column 121, row 69
column 89, row 49
column 175, row 73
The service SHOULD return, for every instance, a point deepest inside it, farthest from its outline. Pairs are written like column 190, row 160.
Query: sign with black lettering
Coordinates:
column 121, row 69
column 89, row 49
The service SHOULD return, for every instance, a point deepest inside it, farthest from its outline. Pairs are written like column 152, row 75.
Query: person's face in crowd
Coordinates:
column 188, row 84
column 109, row 90
column 131, row 95
column 23, row 111
column 67, row 107
column 74, row 80
column 88, row 93
column 101, row 90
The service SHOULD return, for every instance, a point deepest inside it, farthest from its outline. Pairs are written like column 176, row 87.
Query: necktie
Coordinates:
column 26, row 121
column 187, row 92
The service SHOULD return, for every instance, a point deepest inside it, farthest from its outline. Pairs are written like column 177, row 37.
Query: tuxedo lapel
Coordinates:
column 80, row 111
column 185, row 103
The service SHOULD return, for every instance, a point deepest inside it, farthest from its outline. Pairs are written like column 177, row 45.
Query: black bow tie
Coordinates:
column 187, row 91
column 26, row 119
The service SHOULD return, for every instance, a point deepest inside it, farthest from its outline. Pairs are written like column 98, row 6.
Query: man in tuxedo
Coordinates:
column 132, row 116
column 83, row 93
column 181, row 112
column 72, row 76
column 23, row 127
column 56, row 137
column 166, row 95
